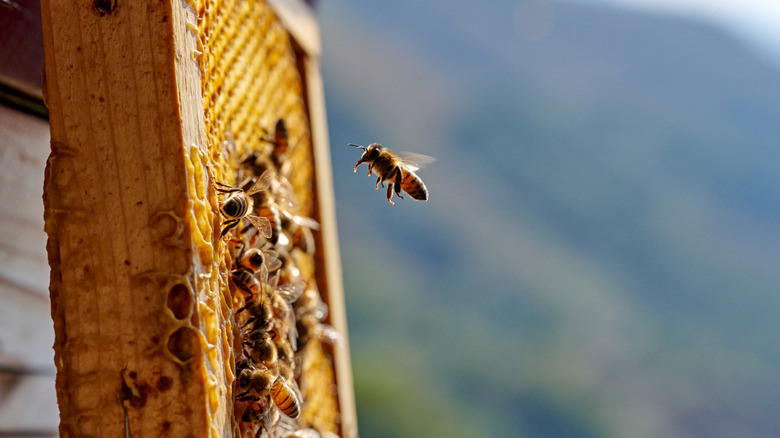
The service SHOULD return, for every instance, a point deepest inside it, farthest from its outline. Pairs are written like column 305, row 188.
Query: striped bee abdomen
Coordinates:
column 236, row 206
column 285, row 399
column 414, row 186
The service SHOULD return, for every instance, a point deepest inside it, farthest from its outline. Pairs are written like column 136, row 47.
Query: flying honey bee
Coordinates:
column 239, row 204
column 396, row 170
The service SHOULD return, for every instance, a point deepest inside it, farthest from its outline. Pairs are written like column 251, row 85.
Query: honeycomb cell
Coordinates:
column 184, row 344
column 168, row 226
column 180, row 301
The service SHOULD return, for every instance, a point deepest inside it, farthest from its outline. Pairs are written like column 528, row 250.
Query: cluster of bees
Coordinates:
column 277, row 310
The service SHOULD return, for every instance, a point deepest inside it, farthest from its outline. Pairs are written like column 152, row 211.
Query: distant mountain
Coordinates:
column 602, row 242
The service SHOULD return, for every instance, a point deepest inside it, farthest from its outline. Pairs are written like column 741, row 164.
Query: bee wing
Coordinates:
column 320, row 311
column 262, row 183
column 292, row 335
column 285, row 193
column 263, row 275
column 302, row 220
column 273, row 281
column 329, row 334
column 306, row 222
column 262, row 224
column 305, row 433
column 291, row 291
column 415, row 161
column 272, row 261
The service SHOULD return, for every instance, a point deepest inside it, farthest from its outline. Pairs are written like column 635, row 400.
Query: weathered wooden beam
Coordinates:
column 330, row 257
column 143, row 343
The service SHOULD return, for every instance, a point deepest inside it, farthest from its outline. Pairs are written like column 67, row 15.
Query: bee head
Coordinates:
column 244, row 378
column 370, row 153
column 253, row 259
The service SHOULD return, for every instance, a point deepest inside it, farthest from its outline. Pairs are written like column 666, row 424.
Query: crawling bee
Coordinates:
column 280, row 141
column 397, row 171
column 262, row 349
column 246, row 281
column 255, row 411
column 280, row 145
column 283, row 313
column 285, row 398
column 255, row 381
column 299, row 232
column 239, row 204
column 251, row 262
column 259, row 313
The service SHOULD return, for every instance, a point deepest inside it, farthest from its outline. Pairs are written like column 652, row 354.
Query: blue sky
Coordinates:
column 755, row 21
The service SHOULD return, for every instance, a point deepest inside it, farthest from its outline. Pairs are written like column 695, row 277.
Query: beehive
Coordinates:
column 151, row 104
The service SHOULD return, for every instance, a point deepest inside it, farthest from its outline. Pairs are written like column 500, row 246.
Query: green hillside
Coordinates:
column 599, row 254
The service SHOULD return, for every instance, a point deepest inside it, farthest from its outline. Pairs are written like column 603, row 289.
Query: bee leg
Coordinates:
column 224, row 188
column 378, row 179
column 250, row 158
column 390, row 193
column 228, row 225
column 239, row 244
column 398, row 179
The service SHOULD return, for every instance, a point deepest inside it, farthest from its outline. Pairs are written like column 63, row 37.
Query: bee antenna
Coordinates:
column 357, row 146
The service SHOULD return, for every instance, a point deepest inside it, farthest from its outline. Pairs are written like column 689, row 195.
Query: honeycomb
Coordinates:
column 251, row 83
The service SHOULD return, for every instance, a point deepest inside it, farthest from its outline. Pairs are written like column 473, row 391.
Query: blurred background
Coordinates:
column 599, row 255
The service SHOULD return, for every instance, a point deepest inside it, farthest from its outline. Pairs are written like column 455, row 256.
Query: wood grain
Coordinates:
column 132, row 305
column 329, row 256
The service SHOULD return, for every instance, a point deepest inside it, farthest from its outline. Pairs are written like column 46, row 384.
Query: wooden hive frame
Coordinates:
column 143, row 96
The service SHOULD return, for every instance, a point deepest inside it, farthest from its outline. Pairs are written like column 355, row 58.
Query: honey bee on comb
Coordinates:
column 262, row 350
column 239, row 205
column 251, row 263
column 253, row 381
column 285, row 398
column 280, row 142
column 270, row 267
column 395, row 170
column 256, row 410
